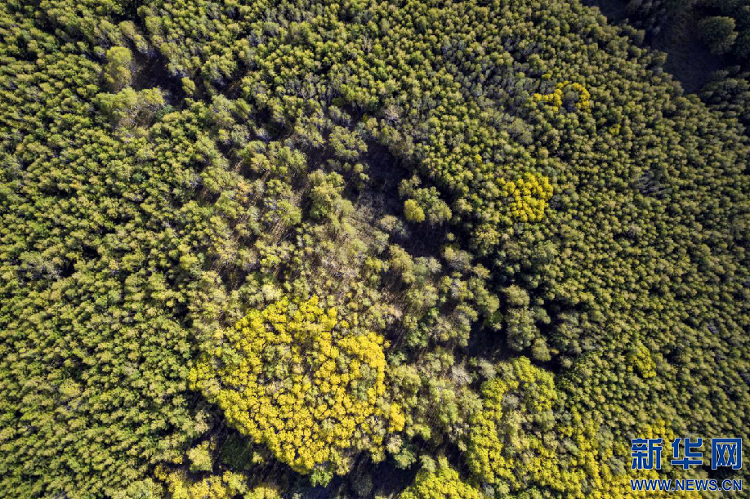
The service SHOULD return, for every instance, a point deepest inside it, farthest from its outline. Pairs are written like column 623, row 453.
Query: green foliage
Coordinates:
column 718, row 33
column 263, row 492
column 729, row 93
column 129, row 108
column 226, row 486
column 724, row 25
column 442, row 484
column 200, row 457
column 170, row 165
column 413, row 212
column 119, row 68
column 143, row 489
column 516, row 296
column 423, row 200
column 325, row 195
column 99, row 320
column 524, row 443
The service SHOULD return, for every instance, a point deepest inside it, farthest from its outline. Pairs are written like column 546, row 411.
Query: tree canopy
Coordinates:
column 364, row 249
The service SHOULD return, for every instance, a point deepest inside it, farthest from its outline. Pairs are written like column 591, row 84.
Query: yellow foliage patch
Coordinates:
column 297, row 379
column 555, row 99
column 530, row 195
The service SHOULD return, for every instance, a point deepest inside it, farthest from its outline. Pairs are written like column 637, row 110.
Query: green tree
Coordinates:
column 413, row 212
column 118, row 73
column 718, row 32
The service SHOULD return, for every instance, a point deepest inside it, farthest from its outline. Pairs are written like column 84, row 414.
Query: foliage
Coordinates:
column 728, row 92
column 299, row 380
column 119, row 68
column 200, row 457
column 724, row 25
column 525, row 443
column 442, row 484
column 516, row 414
column 718, row 33
column 465, row 182
column 556, row 98
column 98, row 318
column 226, row 486
column 413, row 212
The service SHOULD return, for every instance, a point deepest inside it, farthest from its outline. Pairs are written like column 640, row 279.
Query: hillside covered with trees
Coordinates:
column 380, row 249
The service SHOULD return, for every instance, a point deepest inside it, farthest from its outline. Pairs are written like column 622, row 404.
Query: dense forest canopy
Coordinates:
column 409, row 249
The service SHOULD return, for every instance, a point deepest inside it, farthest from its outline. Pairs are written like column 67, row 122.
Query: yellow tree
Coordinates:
column 304, row 382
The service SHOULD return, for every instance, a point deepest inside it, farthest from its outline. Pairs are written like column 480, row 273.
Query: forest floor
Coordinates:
column 688, row 59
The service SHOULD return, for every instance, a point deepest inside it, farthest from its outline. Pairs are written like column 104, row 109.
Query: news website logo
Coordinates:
column 647, row 454
column 725, row 453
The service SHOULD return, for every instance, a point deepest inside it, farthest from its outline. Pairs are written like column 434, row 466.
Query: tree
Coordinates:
column 413, row 212
column 119, row 70
column 718, row 33
column 296, row 378
column 200, row 457
column 444, row 483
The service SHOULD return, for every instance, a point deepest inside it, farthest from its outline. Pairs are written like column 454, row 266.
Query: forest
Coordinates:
column 383, row 249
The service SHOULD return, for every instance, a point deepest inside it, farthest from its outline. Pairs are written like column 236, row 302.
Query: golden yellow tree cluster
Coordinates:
column 555, row 99
column 301, row 381
column 530, row 194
